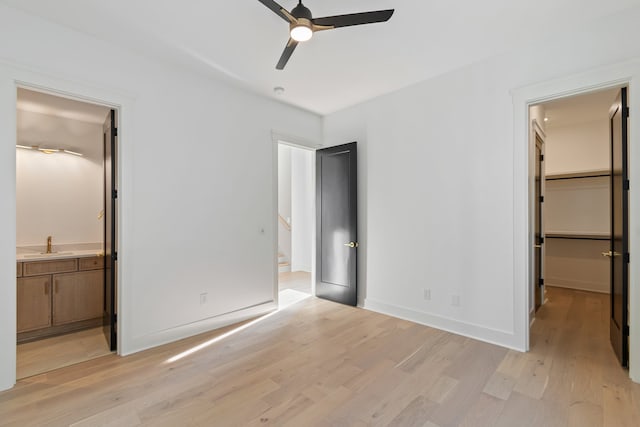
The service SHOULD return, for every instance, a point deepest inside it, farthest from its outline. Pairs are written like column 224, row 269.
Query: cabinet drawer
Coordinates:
column 92, row 263
column 37, row 268
column 19, row 270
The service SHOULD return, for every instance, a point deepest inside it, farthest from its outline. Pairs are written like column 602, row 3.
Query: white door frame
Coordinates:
column 304, row 144
column 617, row 75
column 11, row 78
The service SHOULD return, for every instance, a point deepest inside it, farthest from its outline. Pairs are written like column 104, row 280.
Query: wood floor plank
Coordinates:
column 317, row 363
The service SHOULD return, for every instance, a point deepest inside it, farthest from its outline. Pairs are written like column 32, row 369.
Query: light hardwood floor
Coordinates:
column 320, row 363
column 296, row 280
column 57, row 352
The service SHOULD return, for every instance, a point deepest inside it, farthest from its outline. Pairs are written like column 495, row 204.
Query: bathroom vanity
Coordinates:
column 59, row 295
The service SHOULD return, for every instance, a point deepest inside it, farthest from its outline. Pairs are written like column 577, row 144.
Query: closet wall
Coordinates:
column 576, row 206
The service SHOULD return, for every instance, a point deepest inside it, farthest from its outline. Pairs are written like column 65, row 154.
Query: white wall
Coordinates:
column 577, row 206
column 439, row 185
column 295, row 204
column 58, row 195
column 302, row 214
column 196, row 194
column 284, row 199
column 578, row 147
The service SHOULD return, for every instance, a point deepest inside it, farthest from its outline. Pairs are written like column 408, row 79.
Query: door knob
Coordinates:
column 537, row 246
column 610, row 254
column 352, row 244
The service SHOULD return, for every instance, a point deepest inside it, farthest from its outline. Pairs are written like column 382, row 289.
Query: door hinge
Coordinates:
column 626, row 185
column 541, row 281
column 115, row 256
column 625, row 112
column 541, row 199
column 115, row 317
column 115, row 194
column 542, row 157
column 625, row 331
column 541, row 241
column 115, row 131
column 626, row 257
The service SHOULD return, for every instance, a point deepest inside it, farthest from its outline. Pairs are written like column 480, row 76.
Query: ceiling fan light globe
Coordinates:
column 301, row 33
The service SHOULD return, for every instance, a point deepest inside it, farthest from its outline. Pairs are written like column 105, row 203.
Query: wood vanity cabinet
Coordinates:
column 34, row 303
column 77, row 296
column 58, row 296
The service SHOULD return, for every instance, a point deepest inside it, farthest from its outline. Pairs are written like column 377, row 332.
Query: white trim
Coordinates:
column 13, row 76
column 470, row 330
column 617, row 75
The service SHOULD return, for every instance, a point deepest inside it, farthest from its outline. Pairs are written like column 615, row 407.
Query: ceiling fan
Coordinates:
column 302, row 24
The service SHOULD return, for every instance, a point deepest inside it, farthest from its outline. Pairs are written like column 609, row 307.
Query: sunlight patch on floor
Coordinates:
column 286, row 298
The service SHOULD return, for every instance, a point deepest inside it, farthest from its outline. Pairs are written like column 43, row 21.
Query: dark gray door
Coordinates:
column 538, row 238
column 336, row 224
column 619, row 253
column 110, row 254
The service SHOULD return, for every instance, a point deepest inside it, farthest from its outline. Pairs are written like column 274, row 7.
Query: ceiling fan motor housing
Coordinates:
column 301, row 11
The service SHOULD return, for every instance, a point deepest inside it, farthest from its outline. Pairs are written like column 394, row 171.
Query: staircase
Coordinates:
column 283, row 263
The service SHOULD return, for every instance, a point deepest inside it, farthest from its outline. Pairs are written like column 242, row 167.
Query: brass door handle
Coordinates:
column 610, row 254
column 352, row 244
column 537, row 246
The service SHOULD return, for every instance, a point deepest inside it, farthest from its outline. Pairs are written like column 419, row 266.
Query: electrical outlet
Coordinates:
column 455, row 300
column 203, row 298
column 427, row 294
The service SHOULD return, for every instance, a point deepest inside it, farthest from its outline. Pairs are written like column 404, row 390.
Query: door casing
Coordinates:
column 613, row 76
column 117, row 108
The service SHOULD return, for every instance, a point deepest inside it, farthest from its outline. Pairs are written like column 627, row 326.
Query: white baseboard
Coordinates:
column 480, row 333
column 155, row 339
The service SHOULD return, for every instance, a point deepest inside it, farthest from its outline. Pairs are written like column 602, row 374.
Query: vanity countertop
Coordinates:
column 25, row 254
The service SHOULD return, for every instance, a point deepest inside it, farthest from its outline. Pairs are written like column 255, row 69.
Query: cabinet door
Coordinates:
column 34, row 303
column 77, row 296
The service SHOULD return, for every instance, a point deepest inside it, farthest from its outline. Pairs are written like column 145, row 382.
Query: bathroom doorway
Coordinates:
column 296, row 217
column 64, row 231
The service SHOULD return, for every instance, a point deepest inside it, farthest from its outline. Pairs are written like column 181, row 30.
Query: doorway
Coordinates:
column 62, row 216
column 295, row 217
column 580, row 217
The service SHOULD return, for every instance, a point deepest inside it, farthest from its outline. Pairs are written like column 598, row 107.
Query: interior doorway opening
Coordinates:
column 63, row 206
column 578, row 219
column 296, row 217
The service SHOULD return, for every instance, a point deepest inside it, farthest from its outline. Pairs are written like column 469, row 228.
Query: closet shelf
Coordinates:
column 578, row 236
column 576, row 175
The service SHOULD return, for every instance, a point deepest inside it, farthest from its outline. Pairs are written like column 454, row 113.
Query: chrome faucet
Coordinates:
column 49, row 244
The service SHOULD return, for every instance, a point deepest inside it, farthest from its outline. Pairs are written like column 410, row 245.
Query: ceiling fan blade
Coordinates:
column 354, row 18
column 276, row 8
column 288, row 50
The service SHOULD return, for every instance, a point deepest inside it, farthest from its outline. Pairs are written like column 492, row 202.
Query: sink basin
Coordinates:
column 45, row 255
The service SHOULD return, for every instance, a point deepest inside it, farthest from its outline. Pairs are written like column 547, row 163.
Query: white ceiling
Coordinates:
column 38, row 102
column 242, row 40
column 580, row 108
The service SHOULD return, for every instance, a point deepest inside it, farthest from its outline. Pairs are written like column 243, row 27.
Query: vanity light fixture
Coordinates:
column 48, row 150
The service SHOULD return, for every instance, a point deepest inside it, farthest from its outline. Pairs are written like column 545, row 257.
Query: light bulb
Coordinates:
column 301, row 33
